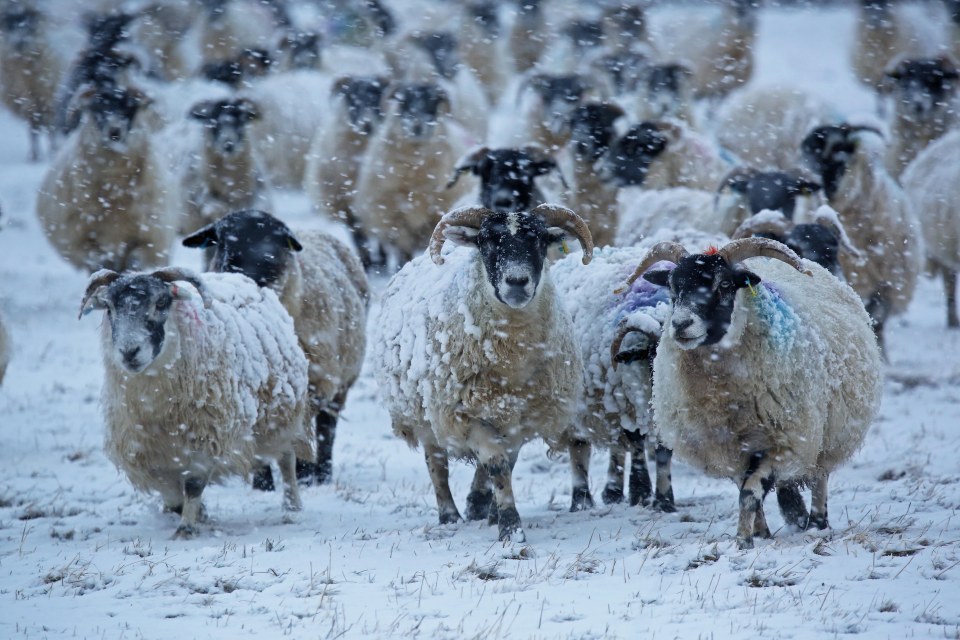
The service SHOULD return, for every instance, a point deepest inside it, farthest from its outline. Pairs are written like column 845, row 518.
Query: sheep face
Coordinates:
column 629, row 20
column 419, row 106
column 591, row 128
column 559, row 96
column 631, row 155
column 513, row 247
column 252, row 243
column 105, row 30
column 507, row 176
column 773, row 190
column 703, row 290
column 484, row 15
column 584, row 34
column 137, row 308
column 21, row 28
column 113, row 112
column 625, row 70
column 667, row 88
column 817, row 244
column 441, row 46
column 363, row 98
column 302, row 50
column 924, row 86
column 226, row 122
column 827, row 150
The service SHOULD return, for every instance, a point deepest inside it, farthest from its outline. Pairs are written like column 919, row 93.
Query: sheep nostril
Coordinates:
column 517, row 281
column 129, row 355
column 682, row 325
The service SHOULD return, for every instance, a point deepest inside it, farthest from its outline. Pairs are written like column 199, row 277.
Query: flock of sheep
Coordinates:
column 750, row 243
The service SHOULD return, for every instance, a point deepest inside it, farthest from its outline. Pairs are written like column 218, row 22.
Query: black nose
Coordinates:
column 682, row 325
column 517, row 281
column 129, row 355
column 504, row 204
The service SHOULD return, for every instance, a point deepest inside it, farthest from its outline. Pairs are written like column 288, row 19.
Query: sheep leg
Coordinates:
column 480, row 499
column 326, row 422
column 500, row 469
column 291, row 488
column 663, row 498
column 438, row 466
column 818, row 503
column 950, row 288
column 580, row 468
column 263, row 478
column 791, row 504
column 757, row 480
column 639, row 482
column 613, row 491
column 360, row 240
column 192, row 510
column 877, row 308
column 760, row 528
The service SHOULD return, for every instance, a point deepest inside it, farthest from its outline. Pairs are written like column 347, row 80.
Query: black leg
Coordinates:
column 791, row 504
column 640, row 488
column 663, row 499
column 263, row 478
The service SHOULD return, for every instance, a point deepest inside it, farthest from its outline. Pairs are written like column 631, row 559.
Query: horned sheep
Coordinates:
column 768, row 373
column 203, row 377
column 478, row 357
column 322, row 286
column 108, row 198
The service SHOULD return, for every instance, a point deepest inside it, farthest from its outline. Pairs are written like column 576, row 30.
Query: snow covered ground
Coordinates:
column 82, row 555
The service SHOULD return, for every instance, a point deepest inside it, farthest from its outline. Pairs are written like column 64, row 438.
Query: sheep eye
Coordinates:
column 726, row 285
column 163, row 304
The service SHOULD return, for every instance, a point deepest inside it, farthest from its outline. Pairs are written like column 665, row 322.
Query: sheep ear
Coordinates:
column 203, row 111
column 660, row 277
column 202, row 238
column 462, row 236
column 341, row 85
column 744, row 278
column 806, row 187
column 292, row 243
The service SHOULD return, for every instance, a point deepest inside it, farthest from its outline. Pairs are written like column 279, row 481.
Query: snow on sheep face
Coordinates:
column 484, row 14
column 827, row 150
column 441, row 46
column 703, row 290
column 363, row 97
column 507, row 179
column 226, row 122
column 20, row 27
column 560, row 95
column 591, row 128
column 924, row 86
column 513, row 247
column 817, row 244
column 631, row 155
column 419, row 107
column 113, row 111
column 137, row 308
column 667, row 85
column 251, row 242
column 773, row 190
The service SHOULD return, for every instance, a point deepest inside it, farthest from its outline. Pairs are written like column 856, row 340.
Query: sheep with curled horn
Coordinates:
column 476, row 357
column 767, row 373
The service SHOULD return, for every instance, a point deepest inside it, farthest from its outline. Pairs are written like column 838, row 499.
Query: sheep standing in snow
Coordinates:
column 614, row 411
column 547, row 102
column 931, row 183
column 746, row 191
column 322, row 286
column 508, row 177
column 923, row 92
column 400, row 193
column 478, row 356
column 203, row 377
column 768, row 373
column 333, row 164
column 107, row 200
column 226, row 175
column 30, row 70
column 764, row 126
column 876, row 213
column 664, row 93
column 227, row 27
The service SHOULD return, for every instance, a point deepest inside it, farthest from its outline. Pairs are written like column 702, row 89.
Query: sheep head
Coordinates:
column 507, row 176
column 828, row 149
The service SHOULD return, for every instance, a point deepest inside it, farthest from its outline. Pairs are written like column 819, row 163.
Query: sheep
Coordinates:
column 160, row 30
column 300, row 50
column 614, row 410
column 930, row 181
column 768, row 373
column 333, row 163
column 203, row 377
column 818, row 241
column 479, row 357
column 591, row 133
column 763, row 126
column 625, row 28
column 322, row 286
column 227, row 27
column 481, row 47
column 30, row 71
column 666, row 93
column 107, row 199
column 226, row 174
column 400, row 195
column 923, row 92
column 746, row 191
column 546, row 102
column 878, row 216
column 508, row 177
column 528, row 35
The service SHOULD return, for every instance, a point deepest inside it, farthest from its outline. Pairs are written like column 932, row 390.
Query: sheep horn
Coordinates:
column 744, row 248
column 98, row 279
column 753, row 225
column 833, row 223
column 172, row 274
column 556, row 216
column 462, row 217
column 623, row 329
column 666, row 250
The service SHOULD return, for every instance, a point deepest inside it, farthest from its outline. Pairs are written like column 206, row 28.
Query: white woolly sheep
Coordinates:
column 767, row 374
column 333, row 163
column 746, row 191
column 614, row 411
column 931, row 182
column 764, row 126
column 924, row 93
column 400, row 192
column 108, row 199
column 643, row 212
column 322, row 286
column 477, row 357
column 226, row 175
column 877, row 214
column 30, row 70
column 227, row 27
column 203, row 376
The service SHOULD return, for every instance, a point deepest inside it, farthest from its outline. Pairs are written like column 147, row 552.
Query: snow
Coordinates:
column 84, row 555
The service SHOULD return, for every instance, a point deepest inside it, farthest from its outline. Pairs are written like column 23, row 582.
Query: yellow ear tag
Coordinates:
column 563, row 246
column 752, row 290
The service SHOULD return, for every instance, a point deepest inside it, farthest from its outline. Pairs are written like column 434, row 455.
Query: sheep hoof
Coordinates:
column 817, row 521
column 510, row 526
column 664, row 504
column 612, row 494
column 744, row 543
column 581, row 500
column 763, row 533
column 450, row 517
column 479, row 504
column 263, row 479
column 173, row 508
column 185, row 532
column 639, row 498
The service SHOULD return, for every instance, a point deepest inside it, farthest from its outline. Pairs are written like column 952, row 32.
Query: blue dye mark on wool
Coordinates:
column 776, row 314
column 642, row 295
